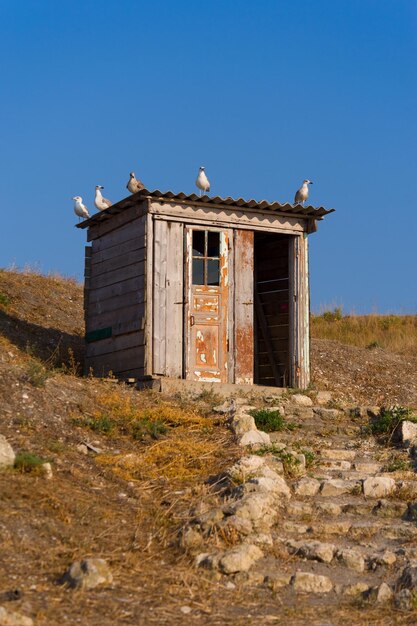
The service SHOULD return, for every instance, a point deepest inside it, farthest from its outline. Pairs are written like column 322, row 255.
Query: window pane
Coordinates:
column 198, row 271
column 213, row 272
column 198, row 243
column 213, row 246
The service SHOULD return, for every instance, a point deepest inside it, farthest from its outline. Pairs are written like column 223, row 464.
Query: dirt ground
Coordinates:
column 100, row 504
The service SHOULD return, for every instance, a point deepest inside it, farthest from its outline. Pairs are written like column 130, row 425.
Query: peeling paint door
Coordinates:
column 207, row 284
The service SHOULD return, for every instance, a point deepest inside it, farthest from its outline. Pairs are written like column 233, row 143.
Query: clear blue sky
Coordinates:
column 264, row 94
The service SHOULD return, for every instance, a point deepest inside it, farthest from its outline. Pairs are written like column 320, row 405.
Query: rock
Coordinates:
column 367, row 468
column 277, row 581
column 336, row 487
column 228, row 406
column 323, row 397
column 408, row 578
column 307, row 487
column 246, row 467
column 332, row 528
column 406, row 434
column 355, row 590
column 338, row 466
column 327, row 414
column 380, row 594
column 378, row 487
column 388, row 509
column 240, row 559
column 87, row 574
column 277, row 485
column 351, row 559
column 190, row 538
column 242, row 423
column 329, row 508
column 386, row 558
column 264, row 540
column 303, row 412
column 301, row 400
column 208, row 561
column 255, row 439
column 313, row 550
column 7, row 455
column 11, row 618
column 404, row 600
column 338, row 455
column 299, row 509
column 289, row 526
column 210, row 518
column 46, row 469
column 311, row 583
column 82, row 448
column 186, row 609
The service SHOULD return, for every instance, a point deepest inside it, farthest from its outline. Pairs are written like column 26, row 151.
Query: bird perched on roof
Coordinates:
column 79, row 208
column 302, row 194
column 134, row 184
column 202, row 181
column 100, row 202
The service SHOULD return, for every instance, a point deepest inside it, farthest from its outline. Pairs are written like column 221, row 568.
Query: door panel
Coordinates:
column 207, row 304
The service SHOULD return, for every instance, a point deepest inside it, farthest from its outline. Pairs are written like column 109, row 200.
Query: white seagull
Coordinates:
column 302, row 194
column 134, row 184
column 79, row 208
column 100, row 202
column 202, row 181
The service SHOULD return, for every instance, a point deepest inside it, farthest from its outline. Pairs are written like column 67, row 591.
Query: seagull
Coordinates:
column 100, row 202
column 79, row 208
column 134, row 184
column 202, row 181
column 302, row 194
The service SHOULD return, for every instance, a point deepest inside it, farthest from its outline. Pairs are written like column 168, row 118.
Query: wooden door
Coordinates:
column 206, row 317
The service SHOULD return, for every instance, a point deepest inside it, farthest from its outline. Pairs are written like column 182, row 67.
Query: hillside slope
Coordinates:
column 130, row 469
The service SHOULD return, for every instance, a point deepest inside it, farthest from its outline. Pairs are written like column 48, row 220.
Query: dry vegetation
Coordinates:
column 126, row 502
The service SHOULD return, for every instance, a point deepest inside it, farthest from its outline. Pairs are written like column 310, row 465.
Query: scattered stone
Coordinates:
column 380, row 594
column 327, row 414
column 46, row 469
column 208, row 561
column 329, row 508
column 257, row 508
column 355, row 590
column 406, row 434
column 378, row 487
column 82, row 448
column 255, row 439
column 336, row 487
column 386, row 558
column 186, row 609
column 11, row 618
column 228, row 406
column 301, row 400
column 242, row 525
column 352, row 559
column 311, row 583
column 338, row 455
column 408, row 578
column 277, row 581
column 242, row 423
column 246, row 467
column 323, row 397
column 307, row 487
column 7, row 455
column 271, row 482
column 230, row 585
column 240, row 559
column 313, row 550
column 87, row 574
column 404, row 600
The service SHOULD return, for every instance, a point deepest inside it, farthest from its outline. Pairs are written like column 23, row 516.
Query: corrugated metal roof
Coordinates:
column 264, row 205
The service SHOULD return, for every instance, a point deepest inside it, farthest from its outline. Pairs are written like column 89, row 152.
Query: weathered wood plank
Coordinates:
column 117, row 262
column 116, row 221
column 121, row 361
column 133, row 298
column 159, row 296
column 220, row 217
column 174, row 302
column 132, row 230
column 118, row 250
column 243, row 279
column 122, row 273
column 117, row 289
column 115, row 344
column 148, row 287
column 117, row 317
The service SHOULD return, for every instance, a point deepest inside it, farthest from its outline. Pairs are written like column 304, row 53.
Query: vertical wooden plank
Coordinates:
column 230, row 313
column 159, row 296
column 243, row 322
column 174, row 299
column 293, row 253
column 148, row 321
column 304, row 361
column 299, row 313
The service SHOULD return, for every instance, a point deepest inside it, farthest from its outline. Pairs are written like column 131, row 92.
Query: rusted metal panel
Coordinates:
column 207, row 313
column 243, row 322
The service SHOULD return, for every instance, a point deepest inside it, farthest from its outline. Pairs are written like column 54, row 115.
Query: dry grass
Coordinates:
column 396, row 333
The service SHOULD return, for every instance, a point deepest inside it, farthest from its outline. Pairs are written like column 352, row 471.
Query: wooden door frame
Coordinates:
column 299, row 312
column 228, row 317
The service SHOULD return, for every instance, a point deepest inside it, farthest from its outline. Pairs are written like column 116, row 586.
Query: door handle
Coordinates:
column 192, row 320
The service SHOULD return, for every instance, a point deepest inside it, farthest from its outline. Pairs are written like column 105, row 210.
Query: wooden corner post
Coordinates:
column 299, row 313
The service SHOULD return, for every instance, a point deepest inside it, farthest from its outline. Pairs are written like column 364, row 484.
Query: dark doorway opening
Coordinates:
column 271, row 309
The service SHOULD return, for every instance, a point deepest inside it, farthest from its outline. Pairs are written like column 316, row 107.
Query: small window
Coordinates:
column 206, row 257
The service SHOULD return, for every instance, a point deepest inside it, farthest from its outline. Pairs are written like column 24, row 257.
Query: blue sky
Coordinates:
column 263, row 94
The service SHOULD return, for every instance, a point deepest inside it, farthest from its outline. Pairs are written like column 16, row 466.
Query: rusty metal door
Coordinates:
column 207, row 285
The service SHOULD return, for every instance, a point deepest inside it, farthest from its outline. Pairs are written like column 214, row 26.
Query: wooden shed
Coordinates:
column 199, row 288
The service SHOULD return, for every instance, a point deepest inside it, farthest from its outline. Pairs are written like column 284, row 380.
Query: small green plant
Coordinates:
column 271, row 421
column 272, row 449
column 101, row 424
column 333, row 316
column 37, row 374
column 147, row 428
column 310, row 457
column 28, row 462
column 388, row 420
column 396, row 464
column 4, row 300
